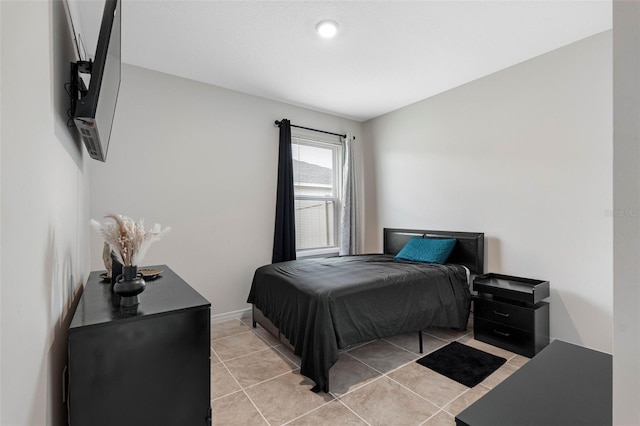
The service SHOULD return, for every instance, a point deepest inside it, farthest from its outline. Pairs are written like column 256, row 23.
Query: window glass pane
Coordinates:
column 313, row 170
column 315, row 227
column 316, row 190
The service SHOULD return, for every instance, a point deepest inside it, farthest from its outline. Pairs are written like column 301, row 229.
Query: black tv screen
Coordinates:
column 95, row 108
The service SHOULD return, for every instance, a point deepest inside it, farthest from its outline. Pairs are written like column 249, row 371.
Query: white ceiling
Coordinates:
column 387, row 54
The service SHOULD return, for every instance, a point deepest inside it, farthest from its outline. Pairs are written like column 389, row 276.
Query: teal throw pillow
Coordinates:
column 427, row 250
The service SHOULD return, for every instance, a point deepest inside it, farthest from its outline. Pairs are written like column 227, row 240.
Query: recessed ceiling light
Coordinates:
column 327, row 28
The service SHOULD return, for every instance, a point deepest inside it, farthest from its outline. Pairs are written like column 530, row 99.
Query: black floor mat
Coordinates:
column 462, row 363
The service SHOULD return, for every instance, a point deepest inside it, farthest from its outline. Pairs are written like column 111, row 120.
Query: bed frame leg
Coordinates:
column 420, row 340
column 253, row 316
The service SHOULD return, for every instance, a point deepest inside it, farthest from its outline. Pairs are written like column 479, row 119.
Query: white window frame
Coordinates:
column 338, row 148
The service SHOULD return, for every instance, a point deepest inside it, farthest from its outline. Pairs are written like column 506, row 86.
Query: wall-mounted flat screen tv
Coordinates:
column 95, row 103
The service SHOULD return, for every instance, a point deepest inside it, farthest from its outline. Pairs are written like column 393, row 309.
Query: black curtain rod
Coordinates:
column 314, row 130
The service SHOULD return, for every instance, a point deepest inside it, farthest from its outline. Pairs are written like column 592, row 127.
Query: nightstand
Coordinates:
column 509, row 312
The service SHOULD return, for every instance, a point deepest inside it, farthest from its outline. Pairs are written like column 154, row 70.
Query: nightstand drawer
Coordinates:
column 503, row 313
column 508, row 287
column 509, row 338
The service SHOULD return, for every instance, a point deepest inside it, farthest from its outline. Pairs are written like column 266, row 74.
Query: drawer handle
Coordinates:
column 502, row 314
column 502, row 333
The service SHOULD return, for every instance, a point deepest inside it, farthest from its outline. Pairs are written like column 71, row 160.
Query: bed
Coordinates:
column 323, row 305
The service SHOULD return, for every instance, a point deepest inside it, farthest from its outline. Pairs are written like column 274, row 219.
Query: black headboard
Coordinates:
column 469, row 250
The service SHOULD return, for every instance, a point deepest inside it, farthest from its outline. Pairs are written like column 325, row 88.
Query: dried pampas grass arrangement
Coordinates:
column 128, row 239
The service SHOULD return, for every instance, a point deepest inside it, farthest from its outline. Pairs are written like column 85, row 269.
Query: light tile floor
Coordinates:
column 255, row 380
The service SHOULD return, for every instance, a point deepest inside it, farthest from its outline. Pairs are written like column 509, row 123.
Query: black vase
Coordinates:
column 129, row 285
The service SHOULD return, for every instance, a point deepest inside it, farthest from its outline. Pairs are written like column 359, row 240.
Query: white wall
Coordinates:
column 1, row 86
column 626, row 202
column 44, row 212
column 202, row 160
column 525, row 156
column 493, row 136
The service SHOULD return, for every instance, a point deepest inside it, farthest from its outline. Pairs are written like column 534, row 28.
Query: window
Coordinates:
column 317, row 182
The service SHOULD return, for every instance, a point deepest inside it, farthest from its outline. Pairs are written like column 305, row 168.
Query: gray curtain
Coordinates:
column 349, row 223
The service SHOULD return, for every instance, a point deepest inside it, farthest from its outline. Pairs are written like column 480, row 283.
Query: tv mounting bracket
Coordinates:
column 78, row 86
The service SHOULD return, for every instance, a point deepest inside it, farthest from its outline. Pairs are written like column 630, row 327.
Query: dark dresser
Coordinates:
column 509, row 312
column 564, row 385
column 146, row 365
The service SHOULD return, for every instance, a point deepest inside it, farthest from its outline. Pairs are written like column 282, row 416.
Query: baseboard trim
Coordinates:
column 227, row 316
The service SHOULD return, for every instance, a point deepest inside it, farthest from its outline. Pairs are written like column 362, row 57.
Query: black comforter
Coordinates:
column 322, row 305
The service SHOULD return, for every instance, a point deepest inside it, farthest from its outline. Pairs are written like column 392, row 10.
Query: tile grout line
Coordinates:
column 283, row 351
column 467, row 391
column 275, row 377
column 432, row 416
column 256, row 407
column 424, row 398
column 417, row 394
column 231, row 335
column 242, row 389
column 371, row 367
column 264, row 338
column 349, row 408
column 309, row 412
column 447, row 340
column 400, row 347
column 250, row 353
column 215, row 353
column 360, row 386
column 272, row 378
column 382, row 374
column 226, row 395
column 246, row 354
column 245, row 393
column 293, row 361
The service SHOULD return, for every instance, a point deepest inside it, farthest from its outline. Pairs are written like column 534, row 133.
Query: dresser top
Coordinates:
column 164, row 295
column 564, row 384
